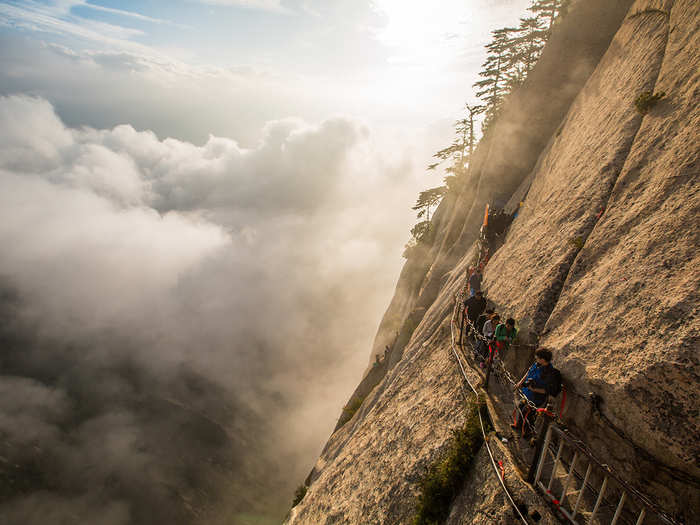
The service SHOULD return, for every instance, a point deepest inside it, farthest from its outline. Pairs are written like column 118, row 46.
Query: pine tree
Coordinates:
column 473, row 110
column 494, row 86
column 428, row 199
column 422, row 231
column 547, row 12
column 525, row 49
column 461, row 150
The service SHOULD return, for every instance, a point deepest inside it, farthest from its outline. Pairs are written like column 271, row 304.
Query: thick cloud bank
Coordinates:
column 180, row 323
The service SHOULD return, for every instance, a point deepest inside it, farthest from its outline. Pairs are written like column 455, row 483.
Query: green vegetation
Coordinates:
column 446, row 476
column 299, row 494
column 349, row 410
column 647, row 100
column 512, row 54
column 577, row 242
column 428, row 199
column 422, row 233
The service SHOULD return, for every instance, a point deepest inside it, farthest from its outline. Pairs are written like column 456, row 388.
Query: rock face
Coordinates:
column 615, row 293
column 601, row 266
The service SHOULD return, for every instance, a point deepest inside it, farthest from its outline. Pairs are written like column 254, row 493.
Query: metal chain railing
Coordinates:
column 496, row 469
column 644, row 506
column 523, row 405
column 608, row 498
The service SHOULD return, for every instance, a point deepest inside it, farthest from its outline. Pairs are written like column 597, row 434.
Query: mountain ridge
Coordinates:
column 618, row 307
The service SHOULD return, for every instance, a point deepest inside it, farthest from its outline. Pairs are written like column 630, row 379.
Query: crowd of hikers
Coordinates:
column 493, row 336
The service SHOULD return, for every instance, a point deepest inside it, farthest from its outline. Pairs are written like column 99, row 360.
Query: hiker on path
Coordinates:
column 488, row 333
column 475, row 282
column 473, row 307
column 505, row 334
column 490, row 326
column 481, row 320
column 539, row 382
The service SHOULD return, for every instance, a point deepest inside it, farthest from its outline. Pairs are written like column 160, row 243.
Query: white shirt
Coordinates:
column 488, row 329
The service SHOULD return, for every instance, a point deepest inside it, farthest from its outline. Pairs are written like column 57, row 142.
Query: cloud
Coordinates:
column 102, row 88
column 265, row 5
column 56, row 18
column 125, row 13
column 162, row 302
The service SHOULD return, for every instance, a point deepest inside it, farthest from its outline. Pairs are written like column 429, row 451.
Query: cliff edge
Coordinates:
column 601, row 266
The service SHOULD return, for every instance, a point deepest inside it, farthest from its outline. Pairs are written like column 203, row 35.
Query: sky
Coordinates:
column 187, row 69
column 203, row 206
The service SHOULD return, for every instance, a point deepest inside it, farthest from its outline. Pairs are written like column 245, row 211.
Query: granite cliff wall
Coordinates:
column 601, row 265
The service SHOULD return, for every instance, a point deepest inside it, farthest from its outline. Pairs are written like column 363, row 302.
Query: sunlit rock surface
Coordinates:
column 601, row 266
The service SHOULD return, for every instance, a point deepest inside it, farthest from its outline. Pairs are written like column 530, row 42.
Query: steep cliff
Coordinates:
column 600, row 265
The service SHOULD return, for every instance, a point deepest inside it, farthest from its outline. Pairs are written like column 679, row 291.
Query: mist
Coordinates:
column 181, row 323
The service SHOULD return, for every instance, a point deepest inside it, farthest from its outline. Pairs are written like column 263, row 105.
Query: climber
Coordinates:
column 473, row 307
column 505, row 334
column 488, row 333
column 481, row 348
column 482, row 319
column 489, row 326
column 517, row 211
column 540, row 381
column 475, row 282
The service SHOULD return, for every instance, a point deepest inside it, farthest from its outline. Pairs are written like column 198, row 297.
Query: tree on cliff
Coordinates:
column 426, row 200
column 547, row 11
column 513, row 53
column 461, row 150
column 473, row 110
column 525, row 50
column 422, row 232
column 494, row 84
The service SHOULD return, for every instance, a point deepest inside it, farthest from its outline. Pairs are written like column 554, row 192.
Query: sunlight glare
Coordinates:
column 421, row 34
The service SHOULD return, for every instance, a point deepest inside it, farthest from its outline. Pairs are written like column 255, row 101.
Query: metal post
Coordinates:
column 641, row 516
column 618, row 511
column 600, row 498
column 568, row 476
column 583, row 487
column 543, row 455
column 556, row 462
column 540, row 448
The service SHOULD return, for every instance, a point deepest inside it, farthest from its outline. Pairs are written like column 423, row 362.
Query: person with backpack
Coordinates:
column 475, row 282
column 539, row 382
column 474, row 306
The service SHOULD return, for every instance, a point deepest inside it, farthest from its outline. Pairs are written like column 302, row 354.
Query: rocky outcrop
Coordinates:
column 577, row 174
column 369, row 470
column 609, row 277
column 508, row 154
column 601, row 265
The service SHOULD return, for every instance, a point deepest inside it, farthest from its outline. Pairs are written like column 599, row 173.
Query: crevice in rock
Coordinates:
column 551, row 295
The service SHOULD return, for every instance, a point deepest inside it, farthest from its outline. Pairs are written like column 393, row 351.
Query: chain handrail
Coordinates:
column 575, row 441
column 519, row 398
column 481, row 421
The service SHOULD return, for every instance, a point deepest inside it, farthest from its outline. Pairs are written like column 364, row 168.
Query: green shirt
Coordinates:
column 503, row 335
